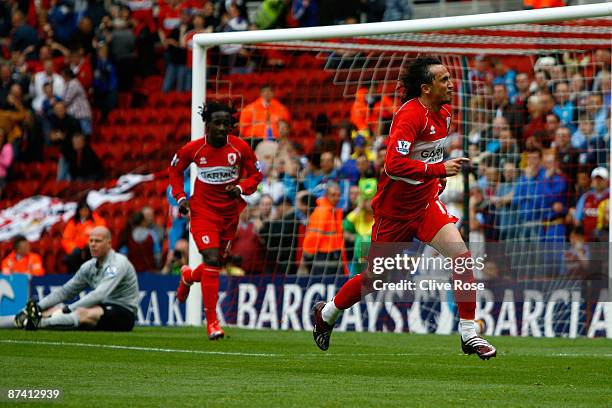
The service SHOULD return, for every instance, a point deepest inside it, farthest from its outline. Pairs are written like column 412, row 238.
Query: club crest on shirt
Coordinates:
column 403, row 147
column 202, row 160
column 111, row 271
column 231, row 158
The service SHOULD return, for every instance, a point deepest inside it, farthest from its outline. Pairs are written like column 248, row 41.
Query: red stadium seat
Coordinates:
column 49, row 262
column 150, row 116
column 117, row 117
column 106, row 134
column 157, row 100
column 183, row 131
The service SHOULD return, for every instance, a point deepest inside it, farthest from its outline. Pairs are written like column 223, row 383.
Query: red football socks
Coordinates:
column 193, row 275
column 466, row 299
column 210, row 291
column 349, row 293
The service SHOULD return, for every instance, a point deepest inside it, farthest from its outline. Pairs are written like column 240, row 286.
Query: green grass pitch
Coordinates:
column 179, row 367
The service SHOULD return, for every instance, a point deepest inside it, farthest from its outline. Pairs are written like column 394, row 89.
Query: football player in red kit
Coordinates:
column 407, row 205
column 226, row 169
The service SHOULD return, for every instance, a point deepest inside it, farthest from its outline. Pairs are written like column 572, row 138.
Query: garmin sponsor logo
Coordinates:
column 218, row 174
column 433, row 155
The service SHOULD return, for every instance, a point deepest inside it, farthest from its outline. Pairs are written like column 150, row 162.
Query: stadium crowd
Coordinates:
column 538, row 139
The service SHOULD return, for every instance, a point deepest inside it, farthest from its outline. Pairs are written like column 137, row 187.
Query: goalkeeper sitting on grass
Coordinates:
column 111, row 305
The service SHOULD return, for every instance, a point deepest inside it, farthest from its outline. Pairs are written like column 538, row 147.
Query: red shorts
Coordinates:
column 212, row 232
column 425, row 229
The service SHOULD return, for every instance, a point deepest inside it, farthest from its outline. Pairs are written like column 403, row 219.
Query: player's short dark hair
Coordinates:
column 17, row 240
column 265, row 85
column 209, row 108
column 417, row 74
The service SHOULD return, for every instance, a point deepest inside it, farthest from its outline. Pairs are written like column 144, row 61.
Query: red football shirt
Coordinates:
column 232, row 164
column 413, row 164
column 168, row 18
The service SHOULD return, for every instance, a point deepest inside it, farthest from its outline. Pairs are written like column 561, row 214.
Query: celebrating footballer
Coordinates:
column 407, row 206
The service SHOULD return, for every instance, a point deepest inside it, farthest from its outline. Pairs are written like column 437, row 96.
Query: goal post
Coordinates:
column 386, row 37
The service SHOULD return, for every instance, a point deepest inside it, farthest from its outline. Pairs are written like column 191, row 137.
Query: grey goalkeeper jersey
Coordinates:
column 114, row 283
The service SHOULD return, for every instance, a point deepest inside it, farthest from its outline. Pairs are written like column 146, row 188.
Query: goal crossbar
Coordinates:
column 407, row 26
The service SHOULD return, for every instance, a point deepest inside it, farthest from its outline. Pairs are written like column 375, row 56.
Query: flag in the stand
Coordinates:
column 32, row 216
column 118, row 192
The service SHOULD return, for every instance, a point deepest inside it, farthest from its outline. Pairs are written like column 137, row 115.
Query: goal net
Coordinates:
column 531, row 109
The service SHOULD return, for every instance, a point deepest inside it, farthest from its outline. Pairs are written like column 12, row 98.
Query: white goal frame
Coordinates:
column 201, row 42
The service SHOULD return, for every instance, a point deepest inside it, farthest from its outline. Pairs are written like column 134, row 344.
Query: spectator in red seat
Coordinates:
column 62, row 125
column 370, row 109
column 168, row 18
column 138, row 244
column 23, row 35
column 22, row 260
column 63, row 20
column 585, row 215
column 567, row 157
column 117, row 34
column 259, row 119
column 541, row 81
column 176, row 258
column 534, row 131
column 104, row 82
column 5, row 80
column 56, row 51
column 49, row 102
column 82, row 161
column 247, row 252
column 48, row 74
column 75, row 99
column 6, row 158
column 145, row 33
column 176, row 56
column 234, row 57
column 14, row 117
column 81, row 67
column 76, row 235
column 324, row 239
column 578, row 92
column 83, row 42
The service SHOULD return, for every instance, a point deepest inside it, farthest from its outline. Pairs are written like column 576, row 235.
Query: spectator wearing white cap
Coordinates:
column 586, row 208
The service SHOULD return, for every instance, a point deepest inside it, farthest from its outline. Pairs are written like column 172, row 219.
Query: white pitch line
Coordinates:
column 205, row 352
column 582, row 355
column 242, row 354
column 136, row 348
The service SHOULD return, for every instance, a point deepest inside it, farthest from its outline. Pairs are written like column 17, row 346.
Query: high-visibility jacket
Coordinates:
column 76, row 234
column 537, row 4
column 324, row 231
column 260, row 121
column 31, row 263
column 365, row 117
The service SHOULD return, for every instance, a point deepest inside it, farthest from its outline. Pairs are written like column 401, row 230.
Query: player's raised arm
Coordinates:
column 251, row 176
column 397, row 162
column 181, row 160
